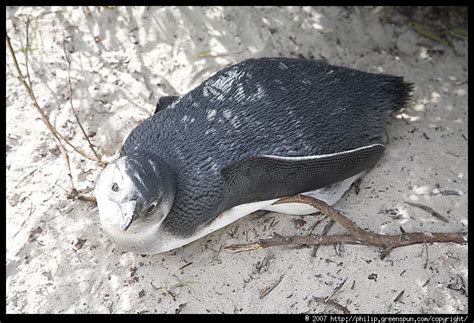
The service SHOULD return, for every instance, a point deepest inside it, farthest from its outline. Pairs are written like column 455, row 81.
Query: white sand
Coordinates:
column 147, row 52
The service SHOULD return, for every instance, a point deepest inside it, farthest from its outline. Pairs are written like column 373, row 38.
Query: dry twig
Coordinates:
column 325, row 231
column 265, row 291
column 338, row 288
column 188, row 264
column 397, row 299
column 57, row 136
column 44, row 117
column 356, row 234
column 310, row 232
column 429, row 210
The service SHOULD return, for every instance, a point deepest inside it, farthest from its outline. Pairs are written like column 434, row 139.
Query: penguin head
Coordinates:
column 134, row 192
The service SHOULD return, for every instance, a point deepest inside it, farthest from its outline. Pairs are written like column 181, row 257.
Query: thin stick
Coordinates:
column 32, row 172
column 356, row 234
column 325, row 231
column 426, row 261
column 188, row 264
column 265, row 291
column 393, row 240
column 397, row 299
column 310, row 232
column 42, row 114
column 79, row 151
column 98, row 159
column 26, row 53
column 29, row 89
column 385, row 252
column 429, row 210
column 336, row 290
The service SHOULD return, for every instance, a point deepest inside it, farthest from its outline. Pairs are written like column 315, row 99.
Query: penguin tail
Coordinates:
column 399, row 91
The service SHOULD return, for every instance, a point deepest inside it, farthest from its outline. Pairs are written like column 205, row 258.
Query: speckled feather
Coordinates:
column 268, row 106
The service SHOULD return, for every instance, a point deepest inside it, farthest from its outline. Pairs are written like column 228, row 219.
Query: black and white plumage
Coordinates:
column 252, row 133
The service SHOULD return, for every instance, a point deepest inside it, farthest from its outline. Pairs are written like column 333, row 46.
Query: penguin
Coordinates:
column 164, row 102
column 252, row 133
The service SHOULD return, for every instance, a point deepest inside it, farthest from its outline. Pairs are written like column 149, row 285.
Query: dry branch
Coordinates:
column 57, row 136
column 356, row 234
column 265, row 291
column 26, row 53
column 325, row 231
column 429, row 210
column 44, row 118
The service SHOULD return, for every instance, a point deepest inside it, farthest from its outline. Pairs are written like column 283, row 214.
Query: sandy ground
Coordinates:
column 123, row 59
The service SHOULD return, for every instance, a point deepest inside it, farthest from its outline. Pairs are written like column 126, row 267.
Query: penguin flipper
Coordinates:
column 264, row 177
column 164, row 102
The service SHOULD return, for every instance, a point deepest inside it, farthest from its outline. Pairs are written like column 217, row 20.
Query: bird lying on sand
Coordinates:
column 249, row 135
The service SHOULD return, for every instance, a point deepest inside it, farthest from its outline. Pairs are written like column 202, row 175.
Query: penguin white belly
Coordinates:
column 169, row 241
column 330, row 195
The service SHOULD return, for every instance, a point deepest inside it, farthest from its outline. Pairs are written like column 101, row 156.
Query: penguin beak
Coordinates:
column 129, row 211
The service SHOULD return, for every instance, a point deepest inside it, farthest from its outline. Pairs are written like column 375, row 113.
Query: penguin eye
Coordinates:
column 115, row 187
column 151, row 207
